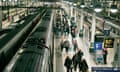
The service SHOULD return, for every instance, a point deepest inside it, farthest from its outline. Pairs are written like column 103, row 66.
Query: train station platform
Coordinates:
column 15, row 18
column 84, row 45
column 6, row 22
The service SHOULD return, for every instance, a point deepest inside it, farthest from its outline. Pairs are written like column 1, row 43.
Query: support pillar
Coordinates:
column 71, row 11
column 0, row 17
column 93, row 32
column 75, row 14
column 116, row 60
column 81, row 24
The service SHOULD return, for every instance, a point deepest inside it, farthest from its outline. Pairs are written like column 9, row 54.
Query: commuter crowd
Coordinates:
column 76, row 62
column 63, row 29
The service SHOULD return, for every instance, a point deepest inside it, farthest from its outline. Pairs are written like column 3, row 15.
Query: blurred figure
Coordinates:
column 66, row 45
column 80, row 54
column 84, row 66
column 62, row 44
column 12, row 19
column 75, row 45
column 75, row 62
column 8, row 18
column 105, row 52
column 73, row 32
column 68, row 64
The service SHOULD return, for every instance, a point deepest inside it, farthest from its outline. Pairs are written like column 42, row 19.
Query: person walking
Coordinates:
column 66, row 45
column 75, row 45
column 80, row 54
column 84, row 66
column 105, row 52
column 68, row 64
column 75, row 62
column 62, row 45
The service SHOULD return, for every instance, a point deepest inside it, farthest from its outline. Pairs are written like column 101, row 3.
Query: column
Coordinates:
column 15, row 4
column 75, row 14
column 93, row 32
column 71, row 11
column 81, row 20
column 8, row 12
column 1, row 17
column 81, row 24
column 116, row 60
column 27, row 6
column 61, row 14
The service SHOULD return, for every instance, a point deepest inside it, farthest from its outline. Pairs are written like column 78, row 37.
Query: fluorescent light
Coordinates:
column 98, row 9
column 91, row 5
column 74, row 4
column 113, row 10
column 70, row 3
column 82, row 6
column 16, row 0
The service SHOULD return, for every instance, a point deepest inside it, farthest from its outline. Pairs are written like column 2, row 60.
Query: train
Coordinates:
column 36, row 53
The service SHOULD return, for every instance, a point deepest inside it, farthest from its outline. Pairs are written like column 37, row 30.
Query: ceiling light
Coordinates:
column 113, row 8
column 98, row 8
column 70, row 3
column 75, row 4
column 82, row 5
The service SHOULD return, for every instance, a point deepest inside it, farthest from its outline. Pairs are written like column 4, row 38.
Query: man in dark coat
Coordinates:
column 62, row 45
column 105, row 55
column 75, row 62
column 84, row 66
column 75, row 45
column 80, row 54
column 66, row 45
column 68, row 64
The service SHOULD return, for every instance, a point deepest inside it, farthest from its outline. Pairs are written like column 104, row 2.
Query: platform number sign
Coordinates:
column 98, row 52
column 98, row 45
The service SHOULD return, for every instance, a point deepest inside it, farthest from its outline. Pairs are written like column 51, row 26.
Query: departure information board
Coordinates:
column 109, row 43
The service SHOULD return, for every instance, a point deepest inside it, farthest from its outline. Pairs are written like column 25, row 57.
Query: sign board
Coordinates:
column 105, row 69
column 98, row 45
column 98, row 52
column 107, row 32
column 99, row 38
column 109, row 43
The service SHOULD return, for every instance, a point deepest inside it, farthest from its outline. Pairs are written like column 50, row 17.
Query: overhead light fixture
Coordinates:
column 98, row 8
column 15, row 0
column 113, row 8
column 91, row 5
column 4, row 0
column 75, row 4
column 70, row 3
column 82, row 5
